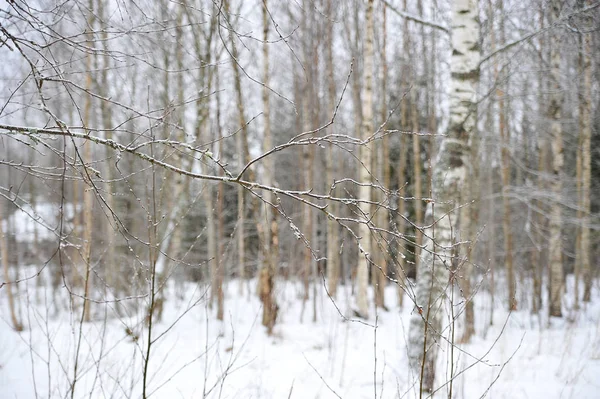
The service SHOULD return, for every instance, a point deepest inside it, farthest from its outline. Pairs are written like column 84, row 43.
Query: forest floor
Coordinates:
column 193, row 355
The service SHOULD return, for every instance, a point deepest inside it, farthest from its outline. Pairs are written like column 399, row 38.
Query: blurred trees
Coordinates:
column 175, row 143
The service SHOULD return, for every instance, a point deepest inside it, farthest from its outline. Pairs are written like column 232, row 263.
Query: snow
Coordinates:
column 44, row 219
column 519, row 356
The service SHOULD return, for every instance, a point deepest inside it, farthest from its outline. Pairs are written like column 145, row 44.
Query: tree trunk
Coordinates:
column 88, row 193
column 383, row 172
column 333, row 259
column 402, row 267
column 538, row 205
column 505, row 164
column 110, row 266
column 416, row 144
column 181, row 182
column 417, row 168
column 449, row 175
column 243, row 157
column 269, row 247
column 586, row 165
column 16, row 324
column 465, row 264
column 364, row 195
column 555, row 114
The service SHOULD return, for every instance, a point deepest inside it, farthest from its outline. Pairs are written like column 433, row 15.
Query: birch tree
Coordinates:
column 366, row 209
column 555, row 115
column 449, row 174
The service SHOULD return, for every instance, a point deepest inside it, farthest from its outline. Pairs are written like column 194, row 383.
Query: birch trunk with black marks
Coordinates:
column 449, row 174
column 556, row 285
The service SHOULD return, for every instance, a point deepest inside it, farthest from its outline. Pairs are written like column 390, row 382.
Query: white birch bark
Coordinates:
column 449, row 173
column 555, row 114
column 362, row 273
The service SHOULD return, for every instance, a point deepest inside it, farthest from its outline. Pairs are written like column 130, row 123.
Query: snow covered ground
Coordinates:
column 194, row 355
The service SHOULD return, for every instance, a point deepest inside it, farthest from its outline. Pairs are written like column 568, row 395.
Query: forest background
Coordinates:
column 438, row 160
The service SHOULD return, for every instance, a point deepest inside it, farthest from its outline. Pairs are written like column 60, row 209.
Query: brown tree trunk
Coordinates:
column 383, row 171
column 88, row 193
column 333, row 259
column 416, row 144
column 586, row 168
column 220, row 225
column 268, row 239
column 402, row 266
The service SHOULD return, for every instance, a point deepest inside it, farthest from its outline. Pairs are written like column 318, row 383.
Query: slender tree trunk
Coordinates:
column 586, row 165
column 110, row 266
column 579, row 181
column 432, row 89
column 16, row 324
column 491, row 229
column 314, row 116
column 333, row 259
column 469, row 220
column 417, row 172
column 211, row 244
column 309, row 120
column 307, row 214
column 268, row 240
column 449, row 175
column 402, row 267
column 364, row 195
column 506, row 216
column 505, row 164
column 465, row 263
column 243, row 157
column 538, row 236
column 353, row 37
column 88, row 193
column 555, row 114
column 383, row 171
column 416, row 149
column 176, row 186
column 220, row 228
column 181, row 182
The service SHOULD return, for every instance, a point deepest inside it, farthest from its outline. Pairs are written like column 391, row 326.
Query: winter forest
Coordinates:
column 300, row 199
